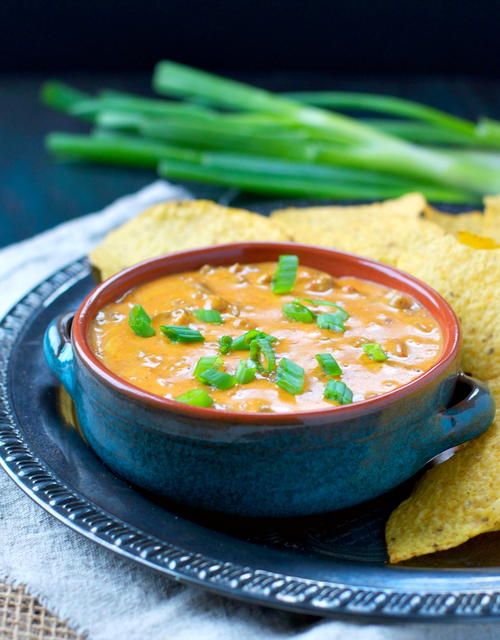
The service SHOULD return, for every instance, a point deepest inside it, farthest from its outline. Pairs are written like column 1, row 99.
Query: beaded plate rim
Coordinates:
column 258, row 586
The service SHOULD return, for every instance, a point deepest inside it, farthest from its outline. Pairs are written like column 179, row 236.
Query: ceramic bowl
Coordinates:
column 256, row 464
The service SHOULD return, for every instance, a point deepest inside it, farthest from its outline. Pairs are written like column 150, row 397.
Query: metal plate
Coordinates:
column 331, row 565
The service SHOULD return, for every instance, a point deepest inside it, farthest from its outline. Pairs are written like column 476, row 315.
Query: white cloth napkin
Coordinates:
column 112, row 598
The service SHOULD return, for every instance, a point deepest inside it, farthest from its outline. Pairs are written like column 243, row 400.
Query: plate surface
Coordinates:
column 331, row 565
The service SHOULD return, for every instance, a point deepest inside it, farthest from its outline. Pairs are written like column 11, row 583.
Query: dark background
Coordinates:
column 440, row 53
column 385, row 36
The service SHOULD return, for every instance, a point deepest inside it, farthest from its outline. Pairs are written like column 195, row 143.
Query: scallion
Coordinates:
column 209, row 315
column 326, row 303
column 338, row 392
column 374, row 351
column 196, row 398
column 262, row 353
column 225, row 344
column 140, row 322
column 217, row 379
column 290, row 376
column 356, row 143
column 242, row 343
column 245, row 372
column 329, row 365
column 284, row 278
column 181, row 334
column 332, row 321
column 205, row 363
column 298, row 312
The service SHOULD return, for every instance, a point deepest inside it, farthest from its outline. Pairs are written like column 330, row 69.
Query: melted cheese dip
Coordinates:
column 406, row 331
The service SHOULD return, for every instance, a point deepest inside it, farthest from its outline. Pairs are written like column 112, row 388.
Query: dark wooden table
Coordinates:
column 37, row 193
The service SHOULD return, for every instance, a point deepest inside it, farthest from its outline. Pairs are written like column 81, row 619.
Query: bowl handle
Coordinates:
column 470, row 417
column 58, row 350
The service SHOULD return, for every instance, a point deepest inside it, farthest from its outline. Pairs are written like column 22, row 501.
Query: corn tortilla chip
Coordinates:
column 381, row 231
column 483, row 224
column 179, row 225
column 411, row 204
column 460, row 498
column 492, row 206
column 454, row 501
column 469, row 279
column 475, row 241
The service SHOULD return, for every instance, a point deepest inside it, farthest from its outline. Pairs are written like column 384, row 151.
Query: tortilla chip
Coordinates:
column 469, row 221
column 468, row 278
column 483, row 224
column 381, row 231
column 460, row 498
column 176, row 226
column 454, row 501
column 411, row 205
column 475, row 241
column 492, row 206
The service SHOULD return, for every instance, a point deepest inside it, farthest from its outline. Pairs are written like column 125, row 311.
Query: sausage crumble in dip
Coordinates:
column 265, row 337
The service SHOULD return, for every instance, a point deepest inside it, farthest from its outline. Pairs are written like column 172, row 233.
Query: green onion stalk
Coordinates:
column 428, row 134
column 370, row 146
column 256, row 174
column 388, row 105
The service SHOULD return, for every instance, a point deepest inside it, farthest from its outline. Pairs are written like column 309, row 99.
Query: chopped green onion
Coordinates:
column 290, row 376
column 217, row 379
column 207, row 362
column 209, row 315
column 225, row 344
column 181, row 334
column 140, row 322
column 329, row 365
column 285, row 275
column 326, row 303
column 242, row 343
column 196, row 397
column 338, row 391
column 245, row 372
column 332, row 321
column 262, row 353
column 374, row 351
column 298, row 312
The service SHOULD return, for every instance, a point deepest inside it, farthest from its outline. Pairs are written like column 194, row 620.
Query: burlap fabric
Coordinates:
column 22, row 617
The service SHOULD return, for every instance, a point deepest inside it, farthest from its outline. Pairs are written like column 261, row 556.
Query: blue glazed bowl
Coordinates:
column 258, row 464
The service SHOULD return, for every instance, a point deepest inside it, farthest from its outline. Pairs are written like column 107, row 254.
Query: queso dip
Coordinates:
column 262, row 338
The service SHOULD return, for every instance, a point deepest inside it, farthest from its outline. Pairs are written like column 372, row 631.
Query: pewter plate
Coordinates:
column 329, row 565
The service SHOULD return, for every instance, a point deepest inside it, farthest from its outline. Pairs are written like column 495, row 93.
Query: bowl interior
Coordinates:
column 333, row 262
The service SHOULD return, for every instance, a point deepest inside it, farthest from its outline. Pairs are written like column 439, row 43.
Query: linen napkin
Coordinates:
column 112, row 598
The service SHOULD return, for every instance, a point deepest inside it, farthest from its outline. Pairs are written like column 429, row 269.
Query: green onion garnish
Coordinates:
column 217, row 379
column 329, row 365
column 207, row 362
column 262, row 353
column 242, row 343
column 326, row 303
column 374, row 351
column 338, row 391
column 333, row 321
column 140, row 322
column 225, row 344
column 181, row 334
column 298, row 312
column 209, row 315
column 245, row 372
column 196, row 397
column 285, row 275
column 290, row 376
